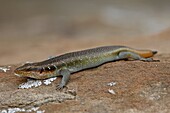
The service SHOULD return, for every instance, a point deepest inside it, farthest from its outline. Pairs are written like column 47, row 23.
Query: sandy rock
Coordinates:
column 140, row 87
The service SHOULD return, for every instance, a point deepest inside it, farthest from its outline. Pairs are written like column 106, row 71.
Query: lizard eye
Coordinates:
column 41, row 70
column 50, row 68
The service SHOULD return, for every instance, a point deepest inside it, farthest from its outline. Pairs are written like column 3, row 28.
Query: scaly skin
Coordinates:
column 68, row 63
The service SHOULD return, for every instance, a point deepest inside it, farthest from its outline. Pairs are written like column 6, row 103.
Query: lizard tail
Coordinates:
column 154, row 52
column 146, row 53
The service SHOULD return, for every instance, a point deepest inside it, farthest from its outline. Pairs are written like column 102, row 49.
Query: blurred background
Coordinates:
column 34, row 30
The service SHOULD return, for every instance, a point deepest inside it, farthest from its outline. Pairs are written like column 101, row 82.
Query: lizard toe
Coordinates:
column 60, row 87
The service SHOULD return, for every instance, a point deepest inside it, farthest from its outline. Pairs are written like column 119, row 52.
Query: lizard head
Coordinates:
column 32, row 70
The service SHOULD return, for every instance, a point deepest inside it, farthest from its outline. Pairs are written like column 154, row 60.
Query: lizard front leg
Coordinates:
column 66, row 76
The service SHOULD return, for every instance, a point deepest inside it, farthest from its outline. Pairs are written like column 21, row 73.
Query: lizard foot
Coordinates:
column 150, row 60
column 60, row 87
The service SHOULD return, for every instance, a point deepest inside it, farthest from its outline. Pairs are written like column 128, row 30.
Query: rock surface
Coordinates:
column 139, row 87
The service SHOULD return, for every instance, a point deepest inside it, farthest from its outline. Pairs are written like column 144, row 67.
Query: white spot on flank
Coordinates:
column 4, row 69
column 111, row 91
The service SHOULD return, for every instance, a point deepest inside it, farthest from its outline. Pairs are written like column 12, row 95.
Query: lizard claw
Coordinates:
column 156, row 60
column 60, row 87
column 152, row 60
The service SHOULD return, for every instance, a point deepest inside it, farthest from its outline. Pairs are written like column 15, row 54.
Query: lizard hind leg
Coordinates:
column 133, row 56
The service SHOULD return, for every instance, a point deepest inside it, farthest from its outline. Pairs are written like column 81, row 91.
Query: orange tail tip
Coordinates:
column 147, row 53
